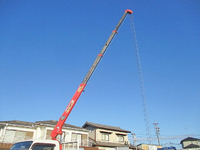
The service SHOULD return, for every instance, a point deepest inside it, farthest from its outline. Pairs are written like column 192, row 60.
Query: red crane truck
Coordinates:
column 54, row 144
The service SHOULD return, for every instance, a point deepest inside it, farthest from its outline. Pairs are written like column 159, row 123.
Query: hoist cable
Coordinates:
column 141, row 81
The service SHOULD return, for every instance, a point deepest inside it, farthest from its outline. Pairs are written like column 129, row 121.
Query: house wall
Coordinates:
column 41, row 132
column 186, row 143
column 92, row 132
column 112, row 136
column 2, row 132
column 11, row 134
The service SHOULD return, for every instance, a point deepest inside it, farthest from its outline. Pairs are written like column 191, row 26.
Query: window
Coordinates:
column 84, row 141
column 20, row 135
column 9, row 136
column 43, row 147
column 48, row 134
column 16, row 135
column 76, row 137
column 21, row 145
column 120, row 138
column 29, row 135
column 105, row 136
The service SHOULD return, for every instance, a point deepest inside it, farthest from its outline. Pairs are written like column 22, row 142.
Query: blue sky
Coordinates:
column 47, row 47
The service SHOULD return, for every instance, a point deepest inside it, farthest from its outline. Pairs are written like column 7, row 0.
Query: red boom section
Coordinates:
column 58, row 128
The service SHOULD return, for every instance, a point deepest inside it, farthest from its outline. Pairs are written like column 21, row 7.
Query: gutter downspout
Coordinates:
column 4, row 132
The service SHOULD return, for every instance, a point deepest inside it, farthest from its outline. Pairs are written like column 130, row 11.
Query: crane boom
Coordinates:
column 58, row 128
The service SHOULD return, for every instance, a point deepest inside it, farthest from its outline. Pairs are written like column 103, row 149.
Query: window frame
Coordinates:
column 119, row 137
column 105, row 136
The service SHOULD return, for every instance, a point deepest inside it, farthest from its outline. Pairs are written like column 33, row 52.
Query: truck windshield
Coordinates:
column 21, row 145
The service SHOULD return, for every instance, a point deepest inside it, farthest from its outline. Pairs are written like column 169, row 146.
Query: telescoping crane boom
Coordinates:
column 58, row 128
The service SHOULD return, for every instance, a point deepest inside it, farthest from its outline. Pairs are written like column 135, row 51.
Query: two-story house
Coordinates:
column 14, row 131
column 107, row 137
column 190, row 143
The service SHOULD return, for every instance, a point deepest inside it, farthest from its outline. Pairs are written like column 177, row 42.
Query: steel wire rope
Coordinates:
column 141, row 81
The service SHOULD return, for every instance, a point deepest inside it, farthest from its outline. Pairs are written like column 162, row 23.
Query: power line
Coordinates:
column 167, row 137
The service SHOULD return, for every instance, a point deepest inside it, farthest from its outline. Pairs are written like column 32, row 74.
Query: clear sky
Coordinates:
column 47, row 47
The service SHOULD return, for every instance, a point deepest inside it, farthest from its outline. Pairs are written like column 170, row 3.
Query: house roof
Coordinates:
column 53, row 123
column 101, row 126
column 189, row 139
column 17, row 123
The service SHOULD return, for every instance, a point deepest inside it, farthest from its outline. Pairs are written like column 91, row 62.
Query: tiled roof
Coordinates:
column 101, row 126
column 17, row 123
column 53, row 123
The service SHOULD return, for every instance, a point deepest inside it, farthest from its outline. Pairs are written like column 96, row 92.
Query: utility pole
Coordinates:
column 134, row 140
column 157, row 132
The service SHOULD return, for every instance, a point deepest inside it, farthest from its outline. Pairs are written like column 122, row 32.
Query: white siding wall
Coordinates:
column 112, row 135
column 12, row 134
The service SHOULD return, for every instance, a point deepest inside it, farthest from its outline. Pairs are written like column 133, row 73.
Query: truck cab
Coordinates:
column 36, row 145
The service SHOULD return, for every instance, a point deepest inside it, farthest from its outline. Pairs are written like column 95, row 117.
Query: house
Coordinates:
column 190, row 143
column 14, row 131
column 71, row 133
column 107, row 137
column 148, row 147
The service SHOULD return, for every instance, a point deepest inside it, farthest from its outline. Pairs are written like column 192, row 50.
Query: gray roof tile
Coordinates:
column 51, row 123
column 18, row 123
column 101, row 126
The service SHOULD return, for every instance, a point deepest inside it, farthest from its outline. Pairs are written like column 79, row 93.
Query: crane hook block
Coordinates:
column 129, row 11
